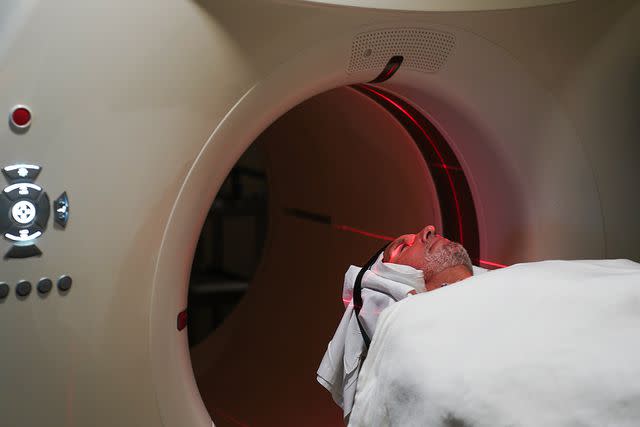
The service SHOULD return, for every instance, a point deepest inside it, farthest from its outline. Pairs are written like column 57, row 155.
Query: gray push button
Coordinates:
column 23, row 288
column 64, row 283
column 4, row 290
column 44, row 285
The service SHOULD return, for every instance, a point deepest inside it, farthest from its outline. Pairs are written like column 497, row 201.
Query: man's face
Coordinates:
column 411, row 249
column 427, row 251
column 441, row 260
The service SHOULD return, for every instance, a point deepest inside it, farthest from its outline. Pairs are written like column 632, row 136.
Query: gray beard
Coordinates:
column 448, row 255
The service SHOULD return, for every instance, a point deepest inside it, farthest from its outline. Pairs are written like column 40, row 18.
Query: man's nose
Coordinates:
column 425, row 232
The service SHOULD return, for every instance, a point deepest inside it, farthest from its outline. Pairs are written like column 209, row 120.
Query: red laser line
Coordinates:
column 415, row 122
column 492, row 264
column 449, row 167
column 364, row 233
column 390, row 239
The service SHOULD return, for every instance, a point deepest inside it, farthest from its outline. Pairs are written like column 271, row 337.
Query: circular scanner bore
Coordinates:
column 342, row 175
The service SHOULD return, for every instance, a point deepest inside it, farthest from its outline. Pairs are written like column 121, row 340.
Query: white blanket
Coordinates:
column 382, row 286
column 554, row 343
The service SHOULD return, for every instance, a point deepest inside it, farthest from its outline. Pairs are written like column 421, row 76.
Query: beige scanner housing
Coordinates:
column 141, row 108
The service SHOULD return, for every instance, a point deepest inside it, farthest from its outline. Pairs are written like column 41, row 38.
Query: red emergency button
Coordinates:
column 20, row 117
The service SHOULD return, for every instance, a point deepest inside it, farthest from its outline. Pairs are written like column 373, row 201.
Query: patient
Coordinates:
column 536, row 344
column 440, row 260
column 411, row 264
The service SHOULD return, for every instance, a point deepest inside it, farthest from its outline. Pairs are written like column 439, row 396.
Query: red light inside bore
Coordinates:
column 21, row 117
column 182, row 320
column 435, row 148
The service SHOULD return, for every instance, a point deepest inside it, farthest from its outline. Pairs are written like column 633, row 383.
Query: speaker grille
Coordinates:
column 423, row 50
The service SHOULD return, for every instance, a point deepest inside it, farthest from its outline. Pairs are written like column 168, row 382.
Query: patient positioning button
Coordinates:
column 19, row 233
column 21, row 172
column 23, row 251
column 42, row 205
column 61, row 210
column 22, row 190
column 23, row 212
column 5, row 209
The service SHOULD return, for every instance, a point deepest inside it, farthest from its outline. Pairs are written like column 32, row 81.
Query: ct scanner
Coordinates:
column 510, row 124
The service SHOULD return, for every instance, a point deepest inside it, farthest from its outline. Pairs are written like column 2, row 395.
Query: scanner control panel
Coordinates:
column 25, row 209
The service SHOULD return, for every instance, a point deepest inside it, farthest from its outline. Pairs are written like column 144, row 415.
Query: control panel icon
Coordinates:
column 23, row 212
column 61, row 205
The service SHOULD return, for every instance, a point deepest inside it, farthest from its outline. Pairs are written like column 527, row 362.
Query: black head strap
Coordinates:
column 357, row 294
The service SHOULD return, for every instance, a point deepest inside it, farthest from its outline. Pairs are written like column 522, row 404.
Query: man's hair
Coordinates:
column 449, row 255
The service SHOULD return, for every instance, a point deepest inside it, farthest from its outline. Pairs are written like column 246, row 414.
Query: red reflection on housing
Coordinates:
column 435, row 148
column 229, row 417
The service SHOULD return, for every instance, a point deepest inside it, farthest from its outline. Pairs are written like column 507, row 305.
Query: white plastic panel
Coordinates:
column 439, row 5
